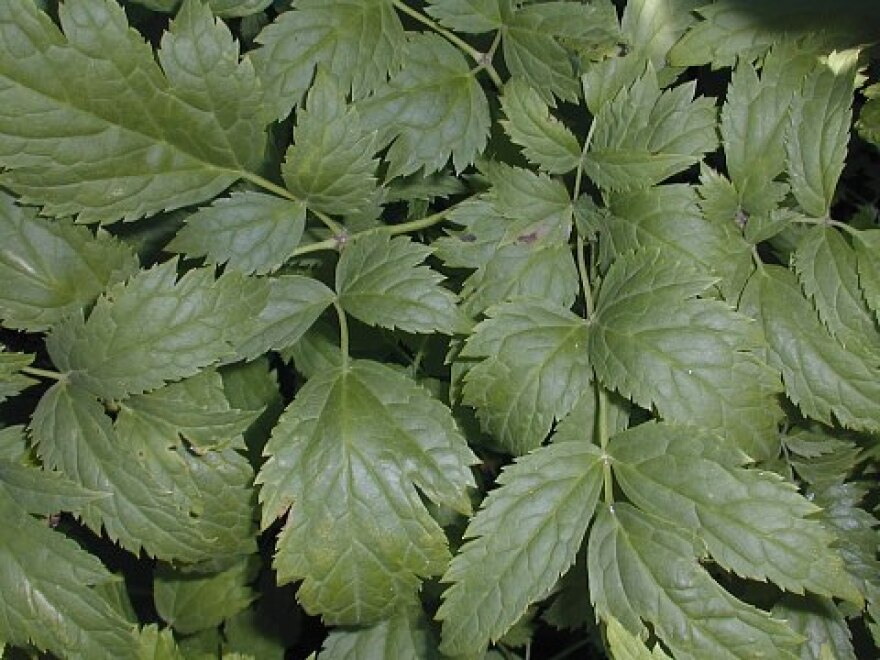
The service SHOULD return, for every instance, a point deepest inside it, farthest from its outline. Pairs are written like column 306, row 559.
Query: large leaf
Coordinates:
column 345, row 459
column 753, row 523
column 155, row 328
column 52, row 268
column 654, row 341
column 359, row 42
column 49, row 591
column 382, row 281
column 432, row 109
column 524, row 537
column 644, row 569
column 249, row 231
column 533, row 369
column 117, row 138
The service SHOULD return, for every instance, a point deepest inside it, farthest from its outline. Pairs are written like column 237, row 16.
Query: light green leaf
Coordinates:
column 401, row 636
column 42, row 492
column 346, row 458
column 752, row 522
column 827, row 268
column 642, row 568
column 166, row 141
column 826, row 381
column 294, row 304
column 190, row 602
column 645, row 135
column 524, row 537
column 533, row 368
column 537, row 39
column 382, row 281
column 693, row 359
column 153, row 329
column 818, row 132
column 155, row 644
column 432, row 109
column 249, row 231
column 545, row 140
column 471, row 16
column 360, row 43
column 50, row 268
column 867, row 247
column 651, row 27
column 74, row 436
column 12, row 381
column 330, row 165
column 49, row 596
column 626, row 646
column 822, row 624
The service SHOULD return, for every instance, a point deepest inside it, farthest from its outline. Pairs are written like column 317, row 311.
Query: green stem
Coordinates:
column 585, row 278
column 343, row 333
column 602, row 431
column 579, row 174
column 416, row 225
column 265, row 184
column 482, row 59
column 828, row 222
column 43, row 373
column 328, row 244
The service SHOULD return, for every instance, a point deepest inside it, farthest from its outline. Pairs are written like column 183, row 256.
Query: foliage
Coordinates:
column 443, row 328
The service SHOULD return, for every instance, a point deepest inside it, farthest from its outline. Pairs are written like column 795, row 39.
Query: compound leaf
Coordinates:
column 433, row 108
column 50, row 268
column 249, row 231
column 345, row 459
column 524, row 537
column 155, row 328
column 164, row 142
column 382, row 281
column 533, row 369
column 642, row 568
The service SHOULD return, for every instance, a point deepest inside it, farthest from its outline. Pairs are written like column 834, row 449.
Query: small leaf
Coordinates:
column 651, row 27
column 12, row 381
column 380, row 280
column 432, row 109
column 626, row 646
column 470, row 16
column 524, row 537
column 534, row 368
column 545, row 140
column 401, row 636
column 346, row 458
column 249, row 231
column 867, row 247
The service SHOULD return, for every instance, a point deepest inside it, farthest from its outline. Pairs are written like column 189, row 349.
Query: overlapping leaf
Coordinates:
column 42, row 492
column 525, row 535
column 12, row 381
column 402, row 636
column 346, row 458
column 155, row 328
column 691, row 358
column 651, row 27
column 624, row 645
column 474, row 16
column 643, row 569
column 821, row 623
column 117, row 138
column 533, row 369
column 250, row 231
column 51, row 268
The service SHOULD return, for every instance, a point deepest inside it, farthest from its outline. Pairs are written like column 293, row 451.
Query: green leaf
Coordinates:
column 533, row 369
column 822, row 624
column 346, row 458
column 294, row 304
column 752, row 522
column 545, row 140
column 868, row 124
column 360, row 43
column 74, row 435
column 50, row 268
column 224, row 8
column 166, row 140
column 12, row 381
column 827, row 268
column 381, row 281
column 471, row 16
column 330, row 165
column 524, row 537
column 401, row 636
column 190, row 602
column 13, row 445
column 642, row 568
column 432, row 109
column 49, row 591
column 826, row 381
column 867, row 247
column 626, row 646
column 155, row 644
column 818, row 132
column 41, row 491
column 651, row 27
column 249, row 231
column 645, row 135
column 155, row 328
column 693, row 359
